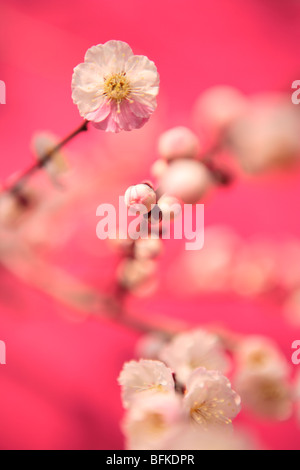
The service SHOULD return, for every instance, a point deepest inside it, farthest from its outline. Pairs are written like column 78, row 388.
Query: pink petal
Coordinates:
column 99, row 114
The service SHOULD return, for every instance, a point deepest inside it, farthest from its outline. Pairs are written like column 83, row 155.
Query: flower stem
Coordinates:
column 15, row 187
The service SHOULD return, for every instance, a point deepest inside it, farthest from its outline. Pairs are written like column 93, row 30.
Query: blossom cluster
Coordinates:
column 178, row 396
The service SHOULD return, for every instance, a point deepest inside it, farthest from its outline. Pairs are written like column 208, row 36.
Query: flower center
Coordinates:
column 204, row 413
column 117, row 87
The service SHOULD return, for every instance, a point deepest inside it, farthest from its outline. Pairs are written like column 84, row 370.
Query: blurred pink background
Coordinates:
column 59, row 388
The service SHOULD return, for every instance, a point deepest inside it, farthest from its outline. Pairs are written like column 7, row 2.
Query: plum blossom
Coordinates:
column 134, row 274
column 210, row 400
column 152, row 420
column 188, row 351
column 262, row 378
column 150, row 345
column 195, row 438
column 114, row 88
column 266, row 136
column 267, row 394
column 144, row 376
column 260, row 354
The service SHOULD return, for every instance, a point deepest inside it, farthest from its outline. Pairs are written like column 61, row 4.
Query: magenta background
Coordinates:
column 59, row 387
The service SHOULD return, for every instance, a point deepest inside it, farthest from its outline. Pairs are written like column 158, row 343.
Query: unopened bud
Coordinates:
column 179, row 142
column 219, row 106
column 170, row 206
column 187, row 180
column 140, row 197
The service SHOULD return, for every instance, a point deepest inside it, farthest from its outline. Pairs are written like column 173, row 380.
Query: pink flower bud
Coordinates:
column 179, row 142
column 187, row 180
column 170, row 206
column 140, row 197
column 219, row 106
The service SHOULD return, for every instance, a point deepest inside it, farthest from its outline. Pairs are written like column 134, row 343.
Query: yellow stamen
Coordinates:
column 117, row 87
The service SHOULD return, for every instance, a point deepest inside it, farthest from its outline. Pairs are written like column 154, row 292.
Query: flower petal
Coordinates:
column 111, row 56
column 101, row 113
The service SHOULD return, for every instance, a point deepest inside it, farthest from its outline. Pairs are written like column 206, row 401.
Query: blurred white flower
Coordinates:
column 144, row 376
column 260, row 354
column 115, row 89
column 266, row 136
column 150, row 345
column 267, row 394
column 195, row 438
column 188, row 351
column 210, row 400
column 254, row 271
column 137, row 275
column 152, row 420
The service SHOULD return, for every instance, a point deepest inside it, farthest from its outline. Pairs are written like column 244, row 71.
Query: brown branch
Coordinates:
column 15, row 187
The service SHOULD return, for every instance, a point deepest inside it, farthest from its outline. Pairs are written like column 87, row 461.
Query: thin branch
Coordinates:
column 15, row 187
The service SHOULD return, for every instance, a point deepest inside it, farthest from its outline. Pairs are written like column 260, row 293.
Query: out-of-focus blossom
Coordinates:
column 42, row 144
column 170, row 207
column 122, row 244
column 140, row 197
column 145, row 375
column 147, row 248
column 267, row 136
column 210, row 400
column 115, row 89
column 189, row 351
column 152, row 420
column 135, row 273
column 150, row 345
column 254, row 271
column 218, row 107
column 195, row 438
column 260, row 354
column 178, row 142
column 267, row 394
column 210, row 268
column 188, row 180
